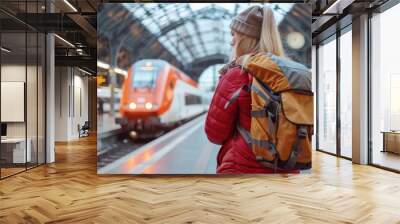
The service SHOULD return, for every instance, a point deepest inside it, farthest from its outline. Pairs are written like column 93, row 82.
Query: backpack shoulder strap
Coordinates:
column 235, row 95
column 245, row 134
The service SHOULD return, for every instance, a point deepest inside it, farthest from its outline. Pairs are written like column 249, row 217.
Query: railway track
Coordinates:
column 118, row 150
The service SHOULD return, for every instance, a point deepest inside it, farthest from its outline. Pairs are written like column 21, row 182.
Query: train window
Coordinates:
column 144, row 78
column 192, row 99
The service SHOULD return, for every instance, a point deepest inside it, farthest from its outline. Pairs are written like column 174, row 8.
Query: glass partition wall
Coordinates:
column 14, row 153
column 334, row 94
column 22, row 107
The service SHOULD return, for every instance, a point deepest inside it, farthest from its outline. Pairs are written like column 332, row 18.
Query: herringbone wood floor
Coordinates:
column 69, row 191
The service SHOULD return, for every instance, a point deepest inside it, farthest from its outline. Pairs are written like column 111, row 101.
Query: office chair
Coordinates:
column 84, row 130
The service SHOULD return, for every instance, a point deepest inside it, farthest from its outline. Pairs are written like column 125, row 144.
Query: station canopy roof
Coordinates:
column 194, row 30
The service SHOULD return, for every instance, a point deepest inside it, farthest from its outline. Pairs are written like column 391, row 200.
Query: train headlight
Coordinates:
column 148, row 106
column 132, row 106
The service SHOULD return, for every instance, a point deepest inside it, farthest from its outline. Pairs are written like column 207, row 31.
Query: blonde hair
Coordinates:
column 270, row 39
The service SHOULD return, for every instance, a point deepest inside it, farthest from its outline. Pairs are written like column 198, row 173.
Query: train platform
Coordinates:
column 185, row 150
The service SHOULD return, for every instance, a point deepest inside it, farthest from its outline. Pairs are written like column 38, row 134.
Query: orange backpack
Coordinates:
column 282, row 112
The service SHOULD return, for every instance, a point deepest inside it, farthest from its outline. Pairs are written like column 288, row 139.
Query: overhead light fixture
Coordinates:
column 86, row 72
column 5, row 50
column 120, row 71
column 330, row 8
column 70, row 5
column 338, row 6
column 103, row 65
column 65, row 41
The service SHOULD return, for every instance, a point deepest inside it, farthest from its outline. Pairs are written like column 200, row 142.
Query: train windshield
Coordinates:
column 144, row 77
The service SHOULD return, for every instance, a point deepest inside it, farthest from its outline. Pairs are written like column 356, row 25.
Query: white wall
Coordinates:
column 71, row 94
column 61, row 103
column 16, row 73
column 33, row 127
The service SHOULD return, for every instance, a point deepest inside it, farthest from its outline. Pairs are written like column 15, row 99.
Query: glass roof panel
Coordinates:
column 183, row 28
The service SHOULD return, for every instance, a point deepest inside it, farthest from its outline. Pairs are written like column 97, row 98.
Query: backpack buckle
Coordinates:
column 272, row 109
column 302, row 132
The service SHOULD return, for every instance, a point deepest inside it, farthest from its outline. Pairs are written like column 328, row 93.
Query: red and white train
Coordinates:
column 156, row 96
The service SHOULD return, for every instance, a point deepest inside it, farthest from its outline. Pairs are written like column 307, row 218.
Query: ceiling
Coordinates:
column 329, row 16
column 192, row 36
column 72, row 20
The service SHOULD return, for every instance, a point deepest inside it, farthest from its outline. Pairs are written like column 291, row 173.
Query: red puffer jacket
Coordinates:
column 235, row 156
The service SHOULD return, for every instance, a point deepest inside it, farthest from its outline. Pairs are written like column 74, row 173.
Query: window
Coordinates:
column 385, row 89
column 191, row 99
column 144, row 77
column 327, row 97
column 346, row 94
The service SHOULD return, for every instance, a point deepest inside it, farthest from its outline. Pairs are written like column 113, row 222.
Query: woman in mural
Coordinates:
column 253, row 31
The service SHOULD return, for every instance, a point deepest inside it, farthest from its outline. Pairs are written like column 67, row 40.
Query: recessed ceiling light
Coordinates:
column 338, row 6
column 70, row 5
column 5, row 50
column 120, row 71
column 103, row 65
column 65, row 41
column 86, row 72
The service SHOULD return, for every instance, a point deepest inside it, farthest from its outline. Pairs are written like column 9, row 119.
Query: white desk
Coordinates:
column 18, row 149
